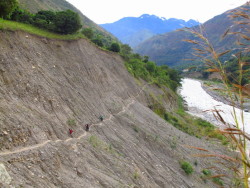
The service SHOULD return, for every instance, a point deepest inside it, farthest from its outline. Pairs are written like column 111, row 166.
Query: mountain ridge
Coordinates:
column 126, row 29
column 170, row 49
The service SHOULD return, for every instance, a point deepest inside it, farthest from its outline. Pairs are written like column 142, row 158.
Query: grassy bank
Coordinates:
column 187, row 123
column 16, row 26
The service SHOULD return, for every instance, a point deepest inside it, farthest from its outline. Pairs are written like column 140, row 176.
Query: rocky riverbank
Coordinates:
column 216, row 91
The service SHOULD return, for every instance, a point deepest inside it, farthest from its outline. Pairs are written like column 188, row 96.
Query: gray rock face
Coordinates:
column 49, row 87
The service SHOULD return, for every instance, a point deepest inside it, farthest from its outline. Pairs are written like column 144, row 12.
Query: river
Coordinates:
column 200, row 104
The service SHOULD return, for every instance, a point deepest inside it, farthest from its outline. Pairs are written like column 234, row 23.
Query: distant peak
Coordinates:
column 148, row 16
column 144, row 16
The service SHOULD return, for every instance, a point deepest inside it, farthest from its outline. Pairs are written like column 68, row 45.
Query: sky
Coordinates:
column 109, row 11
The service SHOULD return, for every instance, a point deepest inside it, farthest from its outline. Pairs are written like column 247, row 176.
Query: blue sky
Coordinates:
column 109, row 11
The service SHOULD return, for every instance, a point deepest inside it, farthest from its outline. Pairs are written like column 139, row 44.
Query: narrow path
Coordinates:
column 124, row 109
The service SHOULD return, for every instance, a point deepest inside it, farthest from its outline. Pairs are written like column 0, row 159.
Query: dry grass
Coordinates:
column 212, row 59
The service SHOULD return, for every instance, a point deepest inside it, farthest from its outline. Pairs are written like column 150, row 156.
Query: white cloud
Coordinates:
column 112, row 10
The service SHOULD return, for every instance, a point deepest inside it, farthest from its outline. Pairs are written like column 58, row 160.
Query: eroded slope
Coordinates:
column 49, row 86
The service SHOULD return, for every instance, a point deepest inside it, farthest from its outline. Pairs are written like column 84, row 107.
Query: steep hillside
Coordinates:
column 58, row 5
column 169, row 48
column 134, row 30
column 49, row 86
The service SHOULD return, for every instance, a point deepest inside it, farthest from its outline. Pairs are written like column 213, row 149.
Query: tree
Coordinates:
column 150, row 66
column 47, row 15
column 88, row 32
column 45, row 19
column 115, row 47
column 98, row 41
column 23, row 16
column 67, row 22
column 126, row 49
column 7, row 7
column 145, row 59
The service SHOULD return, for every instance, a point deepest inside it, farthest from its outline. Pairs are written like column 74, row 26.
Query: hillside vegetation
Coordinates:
column 60, row 5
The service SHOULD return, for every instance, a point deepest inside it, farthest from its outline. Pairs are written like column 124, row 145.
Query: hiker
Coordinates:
column 101, row 118
column 87, row 127
column 70, row 131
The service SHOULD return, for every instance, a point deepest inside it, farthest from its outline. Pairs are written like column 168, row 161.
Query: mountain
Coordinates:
column 49, row 86
column 170, row 49
column 134, row 30
column 59, row 5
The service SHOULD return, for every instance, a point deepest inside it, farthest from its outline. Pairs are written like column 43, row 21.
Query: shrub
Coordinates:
column 187, row 167
column 218, row 181
column 136, row 129
column 7, row 7
column 71, row 122
column 88, row 32
column 98, row 42
column 23, row 16
column 67, row 22
column 206, row 172
column 204, row 123
column 166, row 117
column 115, row 47
column 136, row 175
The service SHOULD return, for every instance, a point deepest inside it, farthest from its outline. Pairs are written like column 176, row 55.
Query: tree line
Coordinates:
column 62, row 22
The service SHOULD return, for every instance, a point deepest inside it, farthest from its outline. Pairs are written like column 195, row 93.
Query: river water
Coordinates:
column 200, row 104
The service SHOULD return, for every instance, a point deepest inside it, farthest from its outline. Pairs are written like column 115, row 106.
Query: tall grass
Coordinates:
column 205, row 51
column 17, row 26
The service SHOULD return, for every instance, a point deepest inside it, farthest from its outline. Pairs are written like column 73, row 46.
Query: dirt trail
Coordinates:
column 124, row 109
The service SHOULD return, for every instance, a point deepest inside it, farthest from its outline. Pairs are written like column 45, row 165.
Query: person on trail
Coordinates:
column 70, row 131
column 101, row 118
column 87, row 127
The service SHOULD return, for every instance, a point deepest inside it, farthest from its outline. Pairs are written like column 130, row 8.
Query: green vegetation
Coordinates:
column 135, row 128
column 231, row 68
column 185, row 122
column 173, row 143
column 115, row 47
column 98, row 143
column 15, row 26
column 63, row 22
column 234, row 75
column 218, row 181
column 88, row 32
column 53, row 24
column 187, row 167
column 150, row 72
column 71, row 122
column 206, row 172
column 66, row 22
column 140, row 67
column 94, row 141
column 7, row 7
column 136, row 175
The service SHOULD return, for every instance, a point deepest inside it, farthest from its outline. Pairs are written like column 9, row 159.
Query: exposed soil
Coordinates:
column 45, row 83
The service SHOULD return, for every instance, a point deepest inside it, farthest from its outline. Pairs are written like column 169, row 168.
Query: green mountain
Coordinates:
column 170, row 49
